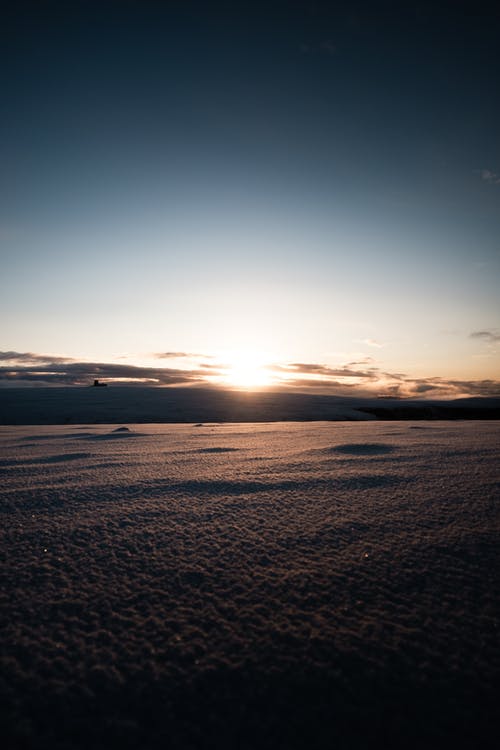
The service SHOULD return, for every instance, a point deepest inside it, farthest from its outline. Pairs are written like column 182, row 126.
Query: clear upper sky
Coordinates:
column 295, row 191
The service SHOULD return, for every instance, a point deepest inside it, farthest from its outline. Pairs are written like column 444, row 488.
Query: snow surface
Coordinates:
column 320, row 585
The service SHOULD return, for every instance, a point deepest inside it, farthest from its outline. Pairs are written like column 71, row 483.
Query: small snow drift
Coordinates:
column 363, row 449
column 120, row 432
column 217, row 450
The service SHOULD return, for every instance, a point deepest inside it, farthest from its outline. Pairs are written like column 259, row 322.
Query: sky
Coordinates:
column 283, row 194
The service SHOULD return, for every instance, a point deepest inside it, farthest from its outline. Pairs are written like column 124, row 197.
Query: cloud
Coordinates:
column 487, row 175
column 370, row 342
column 27, row 368
column 328, row 47
column 178, row 355
column 425, row 388
column 441, row 388
column 314, row 385
column 364, row 361
column 30, row 357
column 210, row 366
column 375, row 382
column 48, row 370
column 492, row 336
column 306, row 368
column 476, row 387
column 324, row 47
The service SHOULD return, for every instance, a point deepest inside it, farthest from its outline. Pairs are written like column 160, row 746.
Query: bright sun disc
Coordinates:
column 247, row 370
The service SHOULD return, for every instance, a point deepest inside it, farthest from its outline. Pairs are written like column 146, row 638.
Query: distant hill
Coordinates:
column 22, row 406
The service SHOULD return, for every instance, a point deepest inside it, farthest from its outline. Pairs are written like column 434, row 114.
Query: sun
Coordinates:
column 246, row 370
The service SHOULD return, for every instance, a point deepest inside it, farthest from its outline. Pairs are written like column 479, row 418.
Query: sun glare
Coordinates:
column 247, row 370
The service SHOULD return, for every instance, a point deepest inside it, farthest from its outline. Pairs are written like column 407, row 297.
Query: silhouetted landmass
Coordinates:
column 466, row 408
column 185, row 405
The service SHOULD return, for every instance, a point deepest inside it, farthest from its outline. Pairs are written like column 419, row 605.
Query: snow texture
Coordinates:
column 321, row 585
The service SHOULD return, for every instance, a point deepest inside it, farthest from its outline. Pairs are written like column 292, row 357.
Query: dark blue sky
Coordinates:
column 284, row 166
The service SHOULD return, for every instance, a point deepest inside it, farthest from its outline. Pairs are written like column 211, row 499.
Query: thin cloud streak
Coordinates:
column 30, row 357
column 492, row 336
column 179, row 355
column 370, row 342
column 364, row 361
column 487, row 175
column 324, row 370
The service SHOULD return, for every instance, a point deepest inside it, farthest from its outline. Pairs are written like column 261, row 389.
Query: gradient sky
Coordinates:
column 316, row 183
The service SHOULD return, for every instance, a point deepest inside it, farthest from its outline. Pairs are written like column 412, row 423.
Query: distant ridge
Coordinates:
column 23, row 406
